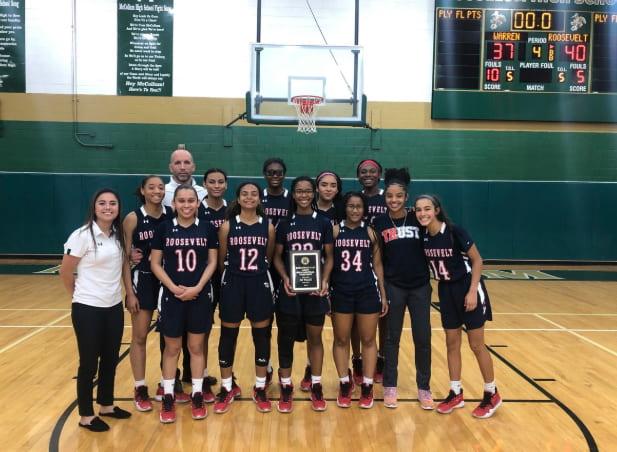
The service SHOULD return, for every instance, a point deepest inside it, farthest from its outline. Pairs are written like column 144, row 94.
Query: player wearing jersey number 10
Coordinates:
column 184, row 258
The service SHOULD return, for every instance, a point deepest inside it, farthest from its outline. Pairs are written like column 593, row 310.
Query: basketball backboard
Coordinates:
column 280, row 72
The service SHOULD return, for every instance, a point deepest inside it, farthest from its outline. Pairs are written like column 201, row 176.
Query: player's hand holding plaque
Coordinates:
column 305, row 270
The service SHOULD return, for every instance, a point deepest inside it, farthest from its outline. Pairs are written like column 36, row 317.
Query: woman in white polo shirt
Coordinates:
column 95, row 251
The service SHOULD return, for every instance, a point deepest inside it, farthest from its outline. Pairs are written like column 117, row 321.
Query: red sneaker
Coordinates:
column 488, row 406
column 223, row 400
column 343, row 399
column 285, row 404
column 142, row 399
column 159, row 393
column 306, row 383
column 209, row 396
column 168, row 410
column 318, row 403
column 451, row 402
column 261, row 399
column 378, row 378
column 366, row 396
column 198, row 408
column 179, row 394
column 356, row 363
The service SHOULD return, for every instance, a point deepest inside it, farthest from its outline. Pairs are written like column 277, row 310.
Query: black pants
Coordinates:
column 99, row 333
column 418, row 301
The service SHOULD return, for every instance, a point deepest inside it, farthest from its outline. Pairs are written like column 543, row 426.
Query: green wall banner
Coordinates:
column 145, row 47
column 12, row 46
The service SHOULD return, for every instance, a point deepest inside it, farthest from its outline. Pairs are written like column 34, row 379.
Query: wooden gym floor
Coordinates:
column 554, row 346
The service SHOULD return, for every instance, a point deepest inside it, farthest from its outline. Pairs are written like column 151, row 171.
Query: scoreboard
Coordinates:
column 539, row 60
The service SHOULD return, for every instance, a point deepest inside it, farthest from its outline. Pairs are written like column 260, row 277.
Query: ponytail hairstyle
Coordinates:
column 116, row 230
column 142, row 185
column 355, row 194
column 398, row 176
column 337, row 201
column 442, row 215
column 292, row 204
column 234, row 207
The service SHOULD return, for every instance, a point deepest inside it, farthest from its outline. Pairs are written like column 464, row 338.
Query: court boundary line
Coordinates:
column 580, row 336
column 591, row 442
column 33, row 333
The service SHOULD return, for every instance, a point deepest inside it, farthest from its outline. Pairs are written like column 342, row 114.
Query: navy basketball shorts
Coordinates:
column 146, row 287
column 242, row 294
column 302, row 305
column 361, row 301
column 452, row 304
column 177, row 317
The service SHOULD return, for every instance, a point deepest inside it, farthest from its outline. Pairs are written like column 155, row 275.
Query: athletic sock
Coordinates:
column 344, row 379
column 315, row 379
column 226, row 383
column 197, row 385
column 455, row 386
column 286, row 381
column 490, row 387
column 367, row 381
column 260, row 382
column 168, row 386
column 139, row 383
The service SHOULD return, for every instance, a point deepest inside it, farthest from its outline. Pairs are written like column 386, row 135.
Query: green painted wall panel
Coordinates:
column 508, row 220
column 431, row 154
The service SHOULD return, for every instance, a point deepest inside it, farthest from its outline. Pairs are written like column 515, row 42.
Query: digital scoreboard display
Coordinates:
column 539, row 60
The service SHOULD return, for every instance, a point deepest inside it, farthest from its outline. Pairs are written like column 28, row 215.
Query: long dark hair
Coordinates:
column 142, row 185
column 442, row 215
column 117, row 230
column 337, row 201
column 292, row 203
column 355, row 194
column 398, row 176
column 234, row 207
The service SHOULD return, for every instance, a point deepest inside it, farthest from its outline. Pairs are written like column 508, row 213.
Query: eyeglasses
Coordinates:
column 271, row 173
column 354, row 207
column 303, row 192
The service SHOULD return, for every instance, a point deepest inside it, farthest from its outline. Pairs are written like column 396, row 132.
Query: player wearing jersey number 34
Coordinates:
column 463, row 300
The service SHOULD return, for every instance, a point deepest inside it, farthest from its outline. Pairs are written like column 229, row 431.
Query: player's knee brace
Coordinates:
column 261, row 339
column 227, row 346
column 287, row 327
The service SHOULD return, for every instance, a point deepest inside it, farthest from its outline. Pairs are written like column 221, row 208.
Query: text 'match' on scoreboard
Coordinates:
column 530, row 60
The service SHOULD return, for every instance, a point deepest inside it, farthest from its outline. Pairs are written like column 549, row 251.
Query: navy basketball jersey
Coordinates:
column 331, row 214
column 185, row 250
column 376, row 206
column 402, row 251
column 144, row 233
column 446, row 252
column 246, row 247
column 215, row 217
column 276, row 207
column 353, row 258
column 304, row 232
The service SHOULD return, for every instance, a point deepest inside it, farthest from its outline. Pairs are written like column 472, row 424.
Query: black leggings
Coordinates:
column 99, row 333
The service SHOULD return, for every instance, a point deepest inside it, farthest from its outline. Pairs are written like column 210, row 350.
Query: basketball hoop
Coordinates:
column 306, row 108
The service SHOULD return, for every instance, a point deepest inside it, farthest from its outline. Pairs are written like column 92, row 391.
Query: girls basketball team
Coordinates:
column 375, row 255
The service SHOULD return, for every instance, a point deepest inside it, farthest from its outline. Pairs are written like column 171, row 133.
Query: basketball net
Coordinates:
column 306, row 109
